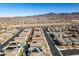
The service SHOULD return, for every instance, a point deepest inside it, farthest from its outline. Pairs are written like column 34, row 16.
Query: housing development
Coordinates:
column 40, row 35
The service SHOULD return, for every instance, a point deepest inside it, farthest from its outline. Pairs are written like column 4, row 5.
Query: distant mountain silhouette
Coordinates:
column 47, row 16
column 51, row 14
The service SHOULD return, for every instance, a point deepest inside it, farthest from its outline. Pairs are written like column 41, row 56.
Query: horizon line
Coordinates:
column 37, row 14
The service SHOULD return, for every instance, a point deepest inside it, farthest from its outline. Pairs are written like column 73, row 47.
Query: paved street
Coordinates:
column 11, row 39
column 52, row 47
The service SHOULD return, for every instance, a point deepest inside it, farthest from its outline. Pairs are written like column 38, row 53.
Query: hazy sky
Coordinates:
column 25, row 9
